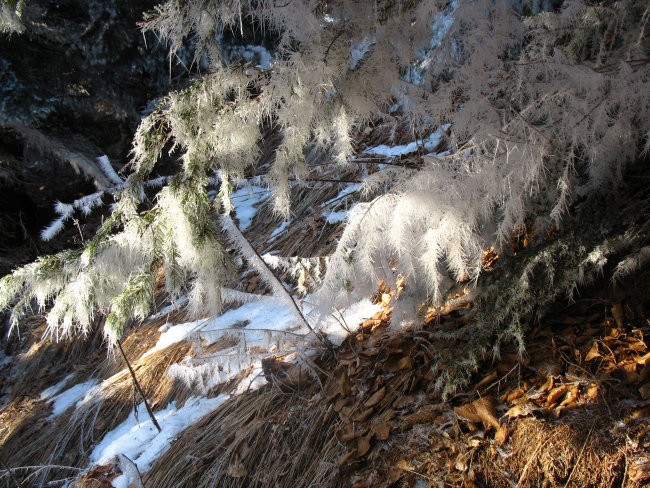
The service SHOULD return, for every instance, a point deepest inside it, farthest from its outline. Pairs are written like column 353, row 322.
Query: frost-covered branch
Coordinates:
column 253, row 258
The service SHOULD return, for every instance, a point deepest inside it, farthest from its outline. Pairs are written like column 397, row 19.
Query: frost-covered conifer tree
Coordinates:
column 539, row 103
column 10, row 11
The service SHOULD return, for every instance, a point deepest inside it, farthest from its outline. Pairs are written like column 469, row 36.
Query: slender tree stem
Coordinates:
column 251, row 255
column 137, row 387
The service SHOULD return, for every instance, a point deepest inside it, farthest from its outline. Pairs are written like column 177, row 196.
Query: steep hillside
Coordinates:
column 276, row 262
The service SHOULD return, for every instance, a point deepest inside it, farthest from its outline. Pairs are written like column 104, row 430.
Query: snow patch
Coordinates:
column 343, row 322
column 429, row 144
column 140, row 441
column 168, row 309
column 359, row 50
column 48, row 393
column 336, row 217
column 4, row 359
column 245, row 201
column 267, row 314
column 67, row 398
column 256, row 55
column 280, row 229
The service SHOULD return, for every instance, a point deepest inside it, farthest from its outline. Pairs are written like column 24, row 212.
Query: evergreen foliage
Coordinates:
column 543, row 104
column 10, row 12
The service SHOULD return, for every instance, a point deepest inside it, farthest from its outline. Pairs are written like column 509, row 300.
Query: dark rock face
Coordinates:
column 82, row 74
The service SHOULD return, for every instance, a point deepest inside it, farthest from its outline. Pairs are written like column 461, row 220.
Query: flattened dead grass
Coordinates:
column 265, row 438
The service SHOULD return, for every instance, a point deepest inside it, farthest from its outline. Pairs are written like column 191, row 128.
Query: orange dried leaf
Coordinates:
column 340, row 404
column 490, row 378
column 236, row 470
column 618, row 314
column 519, row 411
column 643, row 360
column 348, row 434
column 630, row 373
column 512, row 395
column 555, row 394
column 572, row 396
column 502, row 434
column 592, row 392
column 593, row 352
column 405, row 363
column 404, row 401
column 481, row 410
column 644, row 391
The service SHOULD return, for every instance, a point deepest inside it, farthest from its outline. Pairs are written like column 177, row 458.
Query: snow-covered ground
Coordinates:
column 340, row 215
column 245, row 201
column 138, row 439
column 428, row 144
column 64, row 400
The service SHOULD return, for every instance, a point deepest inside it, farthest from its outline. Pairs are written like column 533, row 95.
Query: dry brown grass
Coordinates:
column 580, row 452
column 34, row 439
column 266, row 438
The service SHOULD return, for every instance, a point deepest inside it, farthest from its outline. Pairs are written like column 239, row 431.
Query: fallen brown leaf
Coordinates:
column 593, row 352
column 481, row 410
column 572, row 396
column 236, row 469
column 363, row 446
column 512, row 395
column 345, row 458
column 592, row 392
column 340, row 404
column 380, row 431
column 376, row 397
column 502, row 434
column 490, row 378
column 555, row 394
column 519, row 411
column 405, row 363
column 618, row 314
column 363, row 415
column 644, row 391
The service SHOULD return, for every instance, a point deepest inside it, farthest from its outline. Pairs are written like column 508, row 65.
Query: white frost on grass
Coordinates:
column 266, row 314
column 64, row 400
column 429, row 144
column 140, row 441
column 245, row 201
